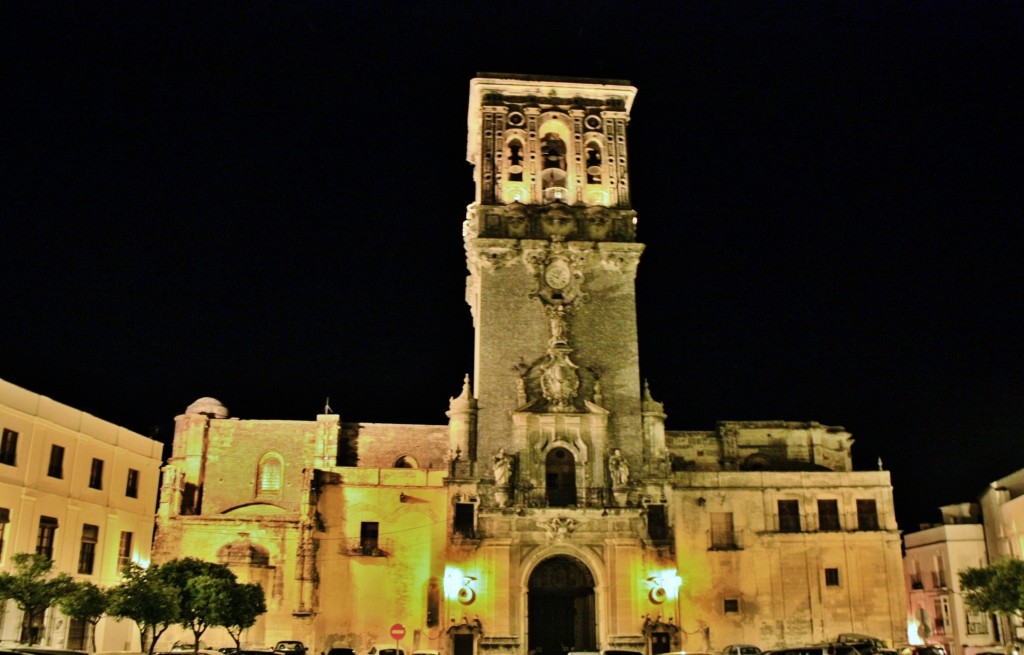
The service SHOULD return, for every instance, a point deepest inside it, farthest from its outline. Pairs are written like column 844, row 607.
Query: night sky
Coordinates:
column 263, row 202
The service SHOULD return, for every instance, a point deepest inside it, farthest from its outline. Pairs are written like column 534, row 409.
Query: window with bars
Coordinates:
column 96, row 474
column 56, row 468
column 731, row 605
column 87, row 552
column 723, row 534
column 269, row 474
column 789, row 516
column 828, row 514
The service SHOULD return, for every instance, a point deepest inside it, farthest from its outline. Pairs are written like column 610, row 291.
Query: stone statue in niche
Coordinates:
column 618, row 468
column 502, row 468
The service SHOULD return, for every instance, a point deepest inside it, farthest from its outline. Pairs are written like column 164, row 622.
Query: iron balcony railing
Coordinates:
column 360, row 547
column 722, row 539
column 812, row 522
column 562, row 497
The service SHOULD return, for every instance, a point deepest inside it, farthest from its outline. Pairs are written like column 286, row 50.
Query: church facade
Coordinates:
column 554, row 511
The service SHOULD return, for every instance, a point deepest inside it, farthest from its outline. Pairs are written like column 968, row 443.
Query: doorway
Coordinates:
column 560, row 478
column 560, row 602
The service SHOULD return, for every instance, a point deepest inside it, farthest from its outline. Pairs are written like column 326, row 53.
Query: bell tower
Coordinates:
column 552, row 255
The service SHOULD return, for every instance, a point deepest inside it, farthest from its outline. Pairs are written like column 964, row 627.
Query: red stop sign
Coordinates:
column 397, row 631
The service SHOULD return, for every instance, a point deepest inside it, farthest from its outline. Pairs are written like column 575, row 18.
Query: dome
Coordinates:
column 209, row 406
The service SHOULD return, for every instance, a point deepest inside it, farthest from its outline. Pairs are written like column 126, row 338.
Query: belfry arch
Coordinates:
column 561, row 607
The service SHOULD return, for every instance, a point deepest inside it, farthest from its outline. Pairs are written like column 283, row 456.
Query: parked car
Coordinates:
column 345, row 651
column 385, row 649
column 928, row 649
column 866, row 644
column 290, row 647
column 819, row 649
column 741, row 649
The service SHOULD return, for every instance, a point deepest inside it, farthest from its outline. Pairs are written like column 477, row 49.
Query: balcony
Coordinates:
column 725, row 539
column 939, row 580
column 358, row 547
column 562, row 497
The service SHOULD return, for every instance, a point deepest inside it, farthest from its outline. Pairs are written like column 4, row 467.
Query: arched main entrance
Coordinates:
column 560, row 478
column 561, row 607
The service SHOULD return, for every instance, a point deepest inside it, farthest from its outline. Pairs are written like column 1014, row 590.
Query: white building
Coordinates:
column 971, row 534
column 81, row 490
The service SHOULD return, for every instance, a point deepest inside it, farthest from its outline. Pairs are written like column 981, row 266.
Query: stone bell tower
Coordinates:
column 552, row 256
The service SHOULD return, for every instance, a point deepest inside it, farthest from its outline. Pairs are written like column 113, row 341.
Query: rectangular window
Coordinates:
column 47, row 532
column 831, row 577
column 657, row 525
column 5, row 518
column 9, row 448
column 789, row 516
column 87, row 553
column 939, row 572
column 464, row 519
column 96, row 474
column 976, row 623
column 56, row 469
column 940, row 622
column 867, row 514
column 132, row 487
column 731, row 606
column 828, row 514
column 124, row 551
column 369, row 533
column 723, row 535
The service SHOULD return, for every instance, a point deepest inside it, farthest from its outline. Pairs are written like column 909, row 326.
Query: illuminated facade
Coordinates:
column 80, row 490
column 554, row 510
column 971, row 534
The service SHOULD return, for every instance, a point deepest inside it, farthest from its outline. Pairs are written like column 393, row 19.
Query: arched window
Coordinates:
column 406, row 462
column 269, row 474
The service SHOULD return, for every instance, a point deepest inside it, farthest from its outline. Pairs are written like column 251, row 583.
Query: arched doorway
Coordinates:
column 560, row 478
column 561, row 606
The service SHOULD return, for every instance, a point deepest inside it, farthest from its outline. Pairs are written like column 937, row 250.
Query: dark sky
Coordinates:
column 262, row 202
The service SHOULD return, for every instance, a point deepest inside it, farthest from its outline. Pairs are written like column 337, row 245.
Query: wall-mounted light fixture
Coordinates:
column 663, row 586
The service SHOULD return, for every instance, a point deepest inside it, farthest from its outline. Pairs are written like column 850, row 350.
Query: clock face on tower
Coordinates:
column 557, row 275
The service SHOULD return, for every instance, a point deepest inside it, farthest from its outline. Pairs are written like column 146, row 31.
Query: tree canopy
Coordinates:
column 34, row 587
column 146, row 598
column 232, row 605
column 192, row 578
column 997, row 588
column 86, row 602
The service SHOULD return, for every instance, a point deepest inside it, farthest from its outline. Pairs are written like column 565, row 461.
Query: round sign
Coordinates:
column 397, row 631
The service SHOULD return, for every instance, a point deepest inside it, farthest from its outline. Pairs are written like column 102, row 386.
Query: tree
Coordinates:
column 233, row 605
column 86, row 602
column 146, row 598
column 997, row 588
column 195, row 612
column 34, row 588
